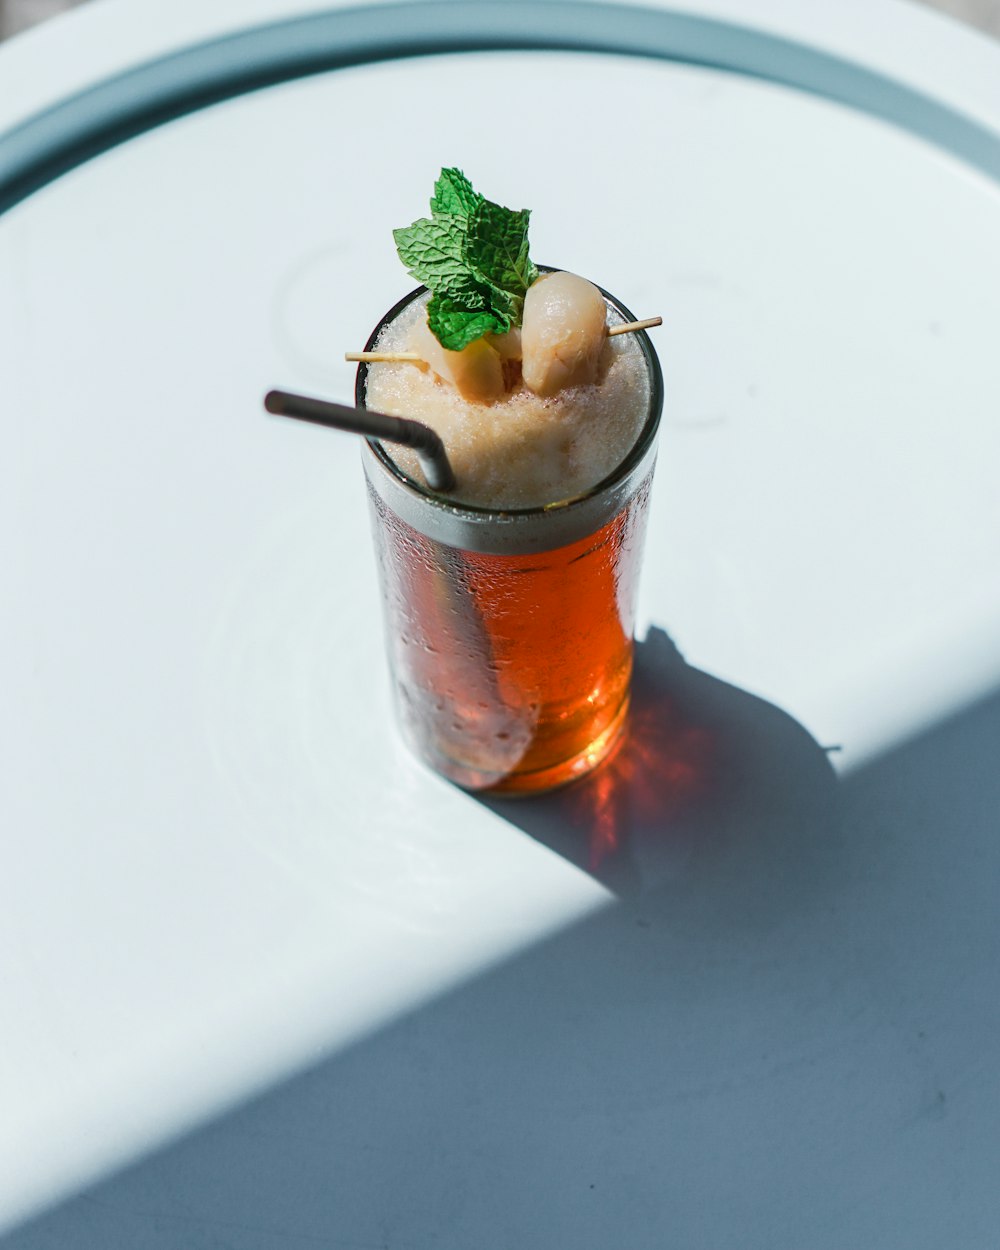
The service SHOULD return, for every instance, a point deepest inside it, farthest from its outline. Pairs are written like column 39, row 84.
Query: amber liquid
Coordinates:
column 511, row 672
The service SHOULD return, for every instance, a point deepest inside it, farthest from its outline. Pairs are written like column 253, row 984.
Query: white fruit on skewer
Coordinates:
column 476, row 371
column 508, row 345
column 559, row 344
column 562, row 333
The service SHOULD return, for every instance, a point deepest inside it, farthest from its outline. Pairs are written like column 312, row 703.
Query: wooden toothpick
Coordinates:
column 413, row 359
column 629, row 326
column 385, row 357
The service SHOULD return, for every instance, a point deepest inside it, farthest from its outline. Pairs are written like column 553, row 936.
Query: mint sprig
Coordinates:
column 454, row 194
column 472, row 254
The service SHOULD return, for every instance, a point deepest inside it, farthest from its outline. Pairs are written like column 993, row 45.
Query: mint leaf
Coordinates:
column 453, row 194
column 456, row 327
column 472, row 255
column 498, row 238
column 433, row 251
column 498, row 244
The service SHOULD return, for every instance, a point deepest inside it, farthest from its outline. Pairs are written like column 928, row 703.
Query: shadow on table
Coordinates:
column 702, row 764
column 782, row 1034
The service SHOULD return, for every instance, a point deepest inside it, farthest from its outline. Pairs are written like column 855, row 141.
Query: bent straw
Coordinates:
column 424, row 441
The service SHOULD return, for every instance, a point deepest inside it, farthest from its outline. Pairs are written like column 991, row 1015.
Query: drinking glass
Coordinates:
column 509, row 633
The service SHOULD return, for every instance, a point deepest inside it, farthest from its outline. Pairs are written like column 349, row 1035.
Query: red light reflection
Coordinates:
column 663, row 763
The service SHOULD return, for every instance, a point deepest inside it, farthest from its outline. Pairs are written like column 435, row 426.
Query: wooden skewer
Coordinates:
column 629, row 326
column 389, row 357
column 414, row 359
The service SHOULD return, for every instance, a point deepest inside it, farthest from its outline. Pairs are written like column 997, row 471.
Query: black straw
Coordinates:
column 424, row 441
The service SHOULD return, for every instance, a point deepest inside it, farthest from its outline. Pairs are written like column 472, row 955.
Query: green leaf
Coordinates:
column 498, row 242
column 472, row 254
column 453, row 194
column 433, row 250
column 456, row 327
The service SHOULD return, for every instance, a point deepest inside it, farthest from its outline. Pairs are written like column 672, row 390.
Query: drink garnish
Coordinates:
column 472, row 254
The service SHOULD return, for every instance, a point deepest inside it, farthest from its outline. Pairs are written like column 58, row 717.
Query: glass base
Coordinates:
column 516, row 784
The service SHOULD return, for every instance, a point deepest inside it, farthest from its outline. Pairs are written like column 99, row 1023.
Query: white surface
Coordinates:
column 902, row 41
column 225, row 866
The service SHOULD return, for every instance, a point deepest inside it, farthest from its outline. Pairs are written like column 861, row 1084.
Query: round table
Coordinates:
column 267, row 981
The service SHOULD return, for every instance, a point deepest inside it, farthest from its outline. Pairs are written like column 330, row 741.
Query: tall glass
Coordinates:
column 509, row 633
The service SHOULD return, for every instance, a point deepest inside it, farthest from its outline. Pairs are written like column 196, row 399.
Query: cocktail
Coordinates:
column 509, row 543
column 510, row 600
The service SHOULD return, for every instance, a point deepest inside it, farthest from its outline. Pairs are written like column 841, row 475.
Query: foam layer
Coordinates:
column 522, row 451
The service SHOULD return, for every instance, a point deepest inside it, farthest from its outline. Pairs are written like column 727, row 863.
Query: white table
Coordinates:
column 739, row 991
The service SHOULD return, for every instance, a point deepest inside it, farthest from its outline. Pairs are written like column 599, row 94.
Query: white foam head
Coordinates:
column 532, row 473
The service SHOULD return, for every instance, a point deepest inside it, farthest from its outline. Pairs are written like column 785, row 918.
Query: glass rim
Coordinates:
column 476, row 512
